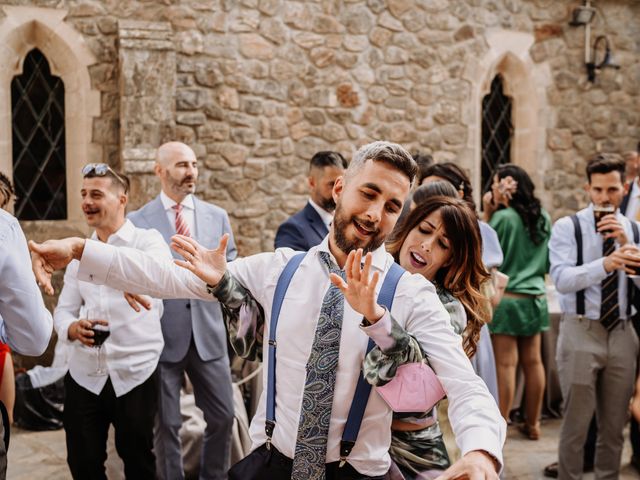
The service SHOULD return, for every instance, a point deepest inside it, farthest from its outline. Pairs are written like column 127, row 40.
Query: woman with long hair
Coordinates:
column 484, row 362
column 440, row 240
column 523, row 228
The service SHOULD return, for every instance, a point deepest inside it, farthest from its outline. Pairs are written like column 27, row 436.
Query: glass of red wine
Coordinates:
column 100, row 333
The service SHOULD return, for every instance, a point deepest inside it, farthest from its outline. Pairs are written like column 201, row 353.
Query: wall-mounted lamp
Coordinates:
column 607, row 60
column 582, row 16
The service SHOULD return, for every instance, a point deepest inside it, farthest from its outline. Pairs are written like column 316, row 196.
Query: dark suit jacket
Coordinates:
column 183, row 319
column 301, row 231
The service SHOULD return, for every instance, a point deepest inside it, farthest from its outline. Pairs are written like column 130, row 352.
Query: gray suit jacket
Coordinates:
column 184, row 318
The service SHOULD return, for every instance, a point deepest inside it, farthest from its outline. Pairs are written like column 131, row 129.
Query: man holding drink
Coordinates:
column 592, row 257
column 114, row 383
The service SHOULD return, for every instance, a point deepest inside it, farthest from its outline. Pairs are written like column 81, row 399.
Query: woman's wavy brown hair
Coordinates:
column 465, row 272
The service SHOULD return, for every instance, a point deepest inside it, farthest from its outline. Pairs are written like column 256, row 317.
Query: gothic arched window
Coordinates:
column 497, row 131
column 37, row 113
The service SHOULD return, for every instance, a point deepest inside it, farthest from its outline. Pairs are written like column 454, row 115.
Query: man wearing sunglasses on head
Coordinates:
column 124, row 391
column 194, row 331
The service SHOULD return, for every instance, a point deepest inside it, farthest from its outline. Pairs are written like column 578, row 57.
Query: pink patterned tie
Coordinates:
column 181, row 225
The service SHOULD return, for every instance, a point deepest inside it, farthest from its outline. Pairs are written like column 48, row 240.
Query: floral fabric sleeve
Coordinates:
column 380, row 365
column 243, row 316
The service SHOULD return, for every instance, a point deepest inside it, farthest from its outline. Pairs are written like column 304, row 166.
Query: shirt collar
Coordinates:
column 327, row 217
column 168, row 203
column 379, row 260
column 124, row 235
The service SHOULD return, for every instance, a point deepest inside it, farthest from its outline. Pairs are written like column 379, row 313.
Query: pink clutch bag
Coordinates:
column 415, row 388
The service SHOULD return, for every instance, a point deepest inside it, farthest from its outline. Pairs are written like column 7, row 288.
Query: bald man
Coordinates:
column 193, row 330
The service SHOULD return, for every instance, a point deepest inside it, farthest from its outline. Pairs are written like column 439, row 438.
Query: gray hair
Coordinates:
column 390, row 153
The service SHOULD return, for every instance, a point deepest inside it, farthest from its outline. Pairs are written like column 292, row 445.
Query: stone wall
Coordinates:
column 260, row 85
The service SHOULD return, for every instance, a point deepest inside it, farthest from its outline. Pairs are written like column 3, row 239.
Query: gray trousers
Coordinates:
column 597, row 373
column 214, row 396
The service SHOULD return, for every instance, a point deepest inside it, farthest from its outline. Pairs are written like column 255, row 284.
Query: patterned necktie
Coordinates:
column 181, row 225
column 311, row 442
column 609, row 309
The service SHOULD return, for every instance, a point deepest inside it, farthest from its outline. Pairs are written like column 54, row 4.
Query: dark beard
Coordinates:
column 328, row 204
column 340, row 225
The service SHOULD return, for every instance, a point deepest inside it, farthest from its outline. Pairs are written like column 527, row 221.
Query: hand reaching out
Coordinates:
column 360, row 288
column 136, row 301
column 475, row 465
column 53, row 255
column 208, row 265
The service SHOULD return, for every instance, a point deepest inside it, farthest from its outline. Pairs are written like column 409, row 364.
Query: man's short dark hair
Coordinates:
column 606, row 163
column 118, row 180
column 385, row 152
column 328, row 158
column 424, row 161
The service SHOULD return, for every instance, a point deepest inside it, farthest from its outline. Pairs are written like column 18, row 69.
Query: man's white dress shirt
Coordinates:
column 569, row 278
column 326, row 217
column 188, row 211
column 133, row 348
column 475, row 418
column 634, row 200
column 25, row 323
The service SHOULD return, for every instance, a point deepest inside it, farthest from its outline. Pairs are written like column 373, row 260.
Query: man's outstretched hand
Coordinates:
column 475, row 465
column 208, row 265
column 53, row 255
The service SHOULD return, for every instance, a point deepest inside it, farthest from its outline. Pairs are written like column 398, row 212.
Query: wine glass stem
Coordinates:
column 100, row 368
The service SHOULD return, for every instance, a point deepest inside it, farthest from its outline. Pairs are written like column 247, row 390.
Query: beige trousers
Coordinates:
column 597, row 373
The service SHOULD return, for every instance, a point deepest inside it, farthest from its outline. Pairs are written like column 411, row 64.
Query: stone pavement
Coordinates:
column 41, row 455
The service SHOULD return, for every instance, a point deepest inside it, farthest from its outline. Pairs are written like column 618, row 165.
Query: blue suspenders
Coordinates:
column 361, row 396
column 631, row 295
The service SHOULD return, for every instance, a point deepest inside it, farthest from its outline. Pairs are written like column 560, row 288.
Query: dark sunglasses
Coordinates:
column 100, row 170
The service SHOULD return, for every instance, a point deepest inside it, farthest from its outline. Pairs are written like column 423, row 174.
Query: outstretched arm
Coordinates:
column 243, row 315
column 127, row 269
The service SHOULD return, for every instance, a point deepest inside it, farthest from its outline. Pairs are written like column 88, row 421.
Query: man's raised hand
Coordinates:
column 53, row 255
column 208, row 265
column 360, row 288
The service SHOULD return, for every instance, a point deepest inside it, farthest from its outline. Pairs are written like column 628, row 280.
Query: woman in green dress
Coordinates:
column 523, row 229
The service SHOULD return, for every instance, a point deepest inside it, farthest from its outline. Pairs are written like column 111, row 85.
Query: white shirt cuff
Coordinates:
column 479, row 438
column 95, row 262
column 380, row 332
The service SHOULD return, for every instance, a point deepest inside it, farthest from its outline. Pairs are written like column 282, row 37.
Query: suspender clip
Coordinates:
column 345, row 450
column 269, row 425
column 272, row 343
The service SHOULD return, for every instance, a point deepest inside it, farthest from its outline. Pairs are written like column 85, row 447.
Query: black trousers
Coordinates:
column 86, row 422
column 273, row 465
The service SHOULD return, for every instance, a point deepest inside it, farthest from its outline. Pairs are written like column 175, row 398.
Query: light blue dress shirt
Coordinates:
column 25, row 323
column 492, row 255
column 569, row 278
